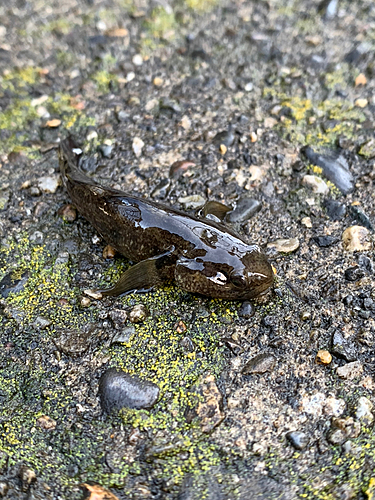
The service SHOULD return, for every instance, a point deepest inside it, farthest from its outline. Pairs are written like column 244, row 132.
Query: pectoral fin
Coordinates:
column 144, row 276
column 216, row 209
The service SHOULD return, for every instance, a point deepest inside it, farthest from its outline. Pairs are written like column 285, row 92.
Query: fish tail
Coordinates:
column 69, row 155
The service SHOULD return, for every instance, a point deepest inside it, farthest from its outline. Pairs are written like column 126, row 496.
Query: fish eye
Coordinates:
column 238, row 280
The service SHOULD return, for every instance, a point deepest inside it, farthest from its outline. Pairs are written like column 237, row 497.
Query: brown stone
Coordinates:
column 323, row 357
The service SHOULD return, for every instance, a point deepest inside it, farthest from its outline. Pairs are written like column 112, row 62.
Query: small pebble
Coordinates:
column 315, row 183
column 269, row 122
column 193, row 201
column 123, row 336
column 305, row 315
column 366, row 263
column 85, row 302
column 117, row 32
column 137, row 146
column 361, row 103
column 342, row 348
column 91, row 135
column 354, row 273
column 137, row 60
column 53, row 123
column 225, row 138
column 306, row 221
column 245, row 209
column 41, row 323
column 355, row 239
column 209, row 409
column 151, row 104
column 323, row 357
column 363, row 411
column 261, row 363
column 299, row 440
column 284, row 245
column 158, row 82
column 325, row 241
column 138, row 314
column 361, row 218
column 118, row 390
column 246, row 310
column 249, row 86
column 360, row 80
column 109, row 252
column 118, row 316
column 74, row 342
column 68, row 213
column 3, row 489
column 27, row 477
column 335, row 209
column 329, row 9
column 185, row 122
column 350, row 370
column 49, row 184
column 46, row 423
column 106, row 150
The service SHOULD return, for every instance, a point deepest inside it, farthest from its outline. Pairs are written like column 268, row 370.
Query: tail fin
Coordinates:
column 69, row 155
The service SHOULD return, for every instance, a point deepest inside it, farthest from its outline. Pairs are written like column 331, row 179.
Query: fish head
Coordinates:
column 239, row 277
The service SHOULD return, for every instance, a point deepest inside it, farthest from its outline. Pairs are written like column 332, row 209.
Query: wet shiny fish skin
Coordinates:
column 201, row 255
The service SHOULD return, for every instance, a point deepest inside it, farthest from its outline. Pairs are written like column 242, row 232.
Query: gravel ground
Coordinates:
column 268, row 106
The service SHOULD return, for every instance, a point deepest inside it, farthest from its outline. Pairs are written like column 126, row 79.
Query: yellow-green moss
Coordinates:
column 153, row 352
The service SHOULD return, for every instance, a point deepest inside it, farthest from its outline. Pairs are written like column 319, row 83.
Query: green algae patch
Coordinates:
column 21, row 116
column 45, row 303
column 104, row 81
column 199, row 6
column 18, row 80
column 161, row 23
column 315, row 122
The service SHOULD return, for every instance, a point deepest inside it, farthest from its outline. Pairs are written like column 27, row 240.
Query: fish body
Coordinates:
column 201, row 255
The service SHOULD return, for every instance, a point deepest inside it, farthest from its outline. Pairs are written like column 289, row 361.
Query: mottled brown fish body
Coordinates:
column 202, row 256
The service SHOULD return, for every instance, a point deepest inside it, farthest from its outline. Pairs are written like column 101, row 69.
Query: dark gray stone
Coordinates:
column 341, row 348
column 226, row 137
column 334, row 165
column 335, row 209
column 246, row 208
column 246, row 310
column 299, row 440
column 106, row 150
column 118, row 390
column 354, row 273
column 325, row 241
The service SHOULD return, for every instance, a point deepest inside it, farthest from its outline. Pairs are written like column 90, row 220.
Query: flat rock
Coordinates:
column 74, row 342
column 118, row 390
column 334, row 166
column 209, row 410
column 325, row 241
column 350, row 370
column 356, row 239
column 261, row 363
column 284, row 245
column 49, row 184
